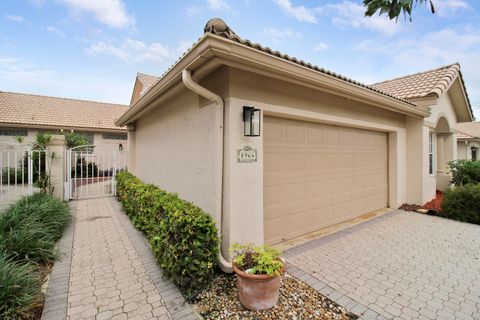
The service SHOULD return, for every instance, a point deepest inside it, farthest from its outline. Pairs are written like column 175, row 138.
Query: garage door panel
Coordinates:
column 332, row 136
column 316, row 175
column 272, row 131
column 276, row 232
column 272, row 194
column 315, row 135
column 294, row 132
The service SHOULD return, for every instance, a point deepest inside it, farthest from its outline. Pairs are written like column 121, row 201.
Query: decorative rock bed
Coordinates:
column 297, row 301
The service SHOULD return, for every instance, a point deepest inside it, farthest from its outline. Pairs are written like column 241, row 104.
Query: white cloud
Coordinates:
column 56, row 31
column 321, row 46
column 448, row 7
column 218, row 5
column 109, row 12
column 184, row 46
column 133, row 51
column 21, row 76
column 348, row 14
column 432, row 50
column 18, row 19
column 301, row 13
column 277, row 35
column 212, row 5
column 193, row 11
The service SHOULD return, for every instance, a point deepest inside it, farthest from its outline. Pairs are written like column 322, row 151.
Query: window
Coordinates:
column 13, row 132
column 115, row 136
column 474, row 153
column 431, row 153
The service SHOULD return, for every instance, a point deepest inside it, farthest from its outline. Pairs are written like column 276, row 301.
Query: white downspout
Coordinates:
column 219, row 140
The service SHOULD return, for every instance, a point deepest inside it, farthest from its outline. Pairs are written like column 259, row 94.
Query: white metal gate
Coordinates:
column 21, row 171
column 91, row 173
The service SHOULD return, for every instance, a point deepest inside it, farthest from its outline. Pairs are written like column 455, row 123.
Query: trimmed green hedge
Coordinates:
column 463, row 203
column 183, row 237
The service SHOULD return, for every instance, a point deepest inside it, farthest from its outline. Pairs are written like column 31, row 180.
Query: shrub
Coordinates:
column 183, row 237
column 30, row 227
column 463, row 203
column 19, row 287
column 84, row 168
column 465, row 172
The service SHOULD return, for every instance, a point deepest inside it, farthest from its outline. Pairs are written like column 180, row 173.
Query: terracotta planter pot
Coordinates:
column 257, row 291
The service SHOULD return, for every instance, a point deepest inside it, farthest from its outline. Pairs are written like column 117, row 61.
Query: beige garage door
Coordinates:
column 317, row 175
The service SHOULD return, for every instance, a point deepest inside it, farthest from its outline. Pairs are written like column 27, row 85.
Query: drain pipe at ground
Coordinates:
column 219, row 137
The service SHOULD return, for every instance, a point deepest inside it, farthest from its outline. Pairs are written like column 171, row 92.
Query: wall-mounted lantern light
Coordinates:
column 251, row 121
column 120, row 147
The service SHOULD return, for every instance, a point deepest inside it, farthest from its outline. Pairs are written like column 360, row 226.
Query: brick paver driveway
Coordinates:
column 401, row 265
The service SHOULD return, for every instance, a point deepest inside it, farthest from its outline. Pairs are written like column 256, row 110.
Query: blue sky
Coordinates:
column 92, row 49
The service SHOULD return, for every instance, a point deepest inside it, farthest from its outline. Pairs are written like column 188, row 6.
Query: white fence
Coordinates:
column 91, row 174
column 22, row 171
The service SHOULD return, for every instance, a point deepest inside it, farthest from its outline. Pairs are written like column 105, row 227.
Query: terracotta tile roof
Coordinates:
column 147, row 81
column 468, row 130
column 36, row 110
column 218, row 27
column 429, row 83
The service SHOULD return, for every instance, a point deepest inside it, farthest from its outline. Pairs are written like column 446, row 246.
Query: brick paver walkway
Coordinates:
column 399, row 266
column 112, row 273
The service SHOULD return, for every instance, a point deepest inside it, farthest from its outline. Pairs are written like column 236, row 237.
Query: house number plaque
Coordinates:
column 246, row 154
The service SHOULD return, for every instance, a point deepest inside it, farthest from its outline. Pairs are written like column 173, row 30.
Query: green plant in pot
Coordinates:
column 258, row 270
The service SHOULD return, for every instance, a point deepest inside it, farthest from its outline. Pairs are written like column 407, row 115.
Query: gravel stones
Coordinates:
column 298, row 301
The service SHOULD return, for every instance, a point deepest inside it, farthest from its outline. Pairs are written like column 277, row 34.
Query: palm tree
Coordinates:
column 393, row 8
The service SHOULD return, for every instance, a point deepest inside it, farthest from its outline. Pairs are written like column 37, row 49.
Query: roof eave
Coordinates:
column 465, row 96
column 50, row 127
column 231, row 52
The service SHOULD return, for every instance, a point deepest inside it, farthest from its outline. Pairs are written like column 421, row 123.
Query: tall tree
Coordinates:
column 394, row 8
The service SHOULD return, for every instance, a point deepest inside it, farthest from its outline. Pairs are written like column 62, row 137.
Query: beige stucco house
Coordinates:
column 26, row 114
column 330, row 148
column 468, row 140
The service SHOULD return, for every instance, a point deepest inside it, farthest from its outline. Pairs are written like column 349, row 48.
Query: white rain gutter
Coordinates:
column 219, row 140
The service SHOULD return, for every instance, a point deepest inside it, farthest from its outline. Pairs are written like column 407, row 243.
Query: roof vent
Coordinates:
column 219, row 27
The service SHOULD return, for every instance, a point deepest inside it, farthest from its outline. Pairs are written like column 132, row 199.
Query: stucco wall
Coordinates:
column 446, row 148
column 174, row 148
column 442, row 107
column 464, row 150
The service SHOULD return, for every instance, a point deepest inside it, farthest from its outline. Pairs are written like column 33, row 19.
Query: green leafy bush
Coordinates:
column 74, row 139
column 19, row 288
column 257, row 259
column 183, row 237
column 30, row 228
column 463, row 203
column 464, row 172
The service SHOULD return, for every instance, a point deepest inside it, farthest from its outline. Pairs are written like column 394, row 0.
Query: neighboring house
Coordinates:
column 26, row 114
column 468, row 140
column 329, row 148
column 143, row 82
column 443, row 91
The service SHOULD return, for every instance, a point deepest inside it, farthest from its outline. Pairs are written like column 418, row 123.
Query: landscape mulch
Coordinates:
column 436, row 203
column 297, row 301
